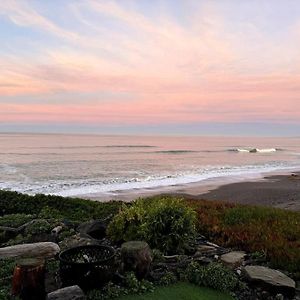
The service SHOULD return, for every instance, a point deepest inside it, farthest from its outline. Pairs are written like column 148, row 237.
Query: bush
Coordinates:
column 214, row 275
column 130, row 286
column 271, row 231
column 38, row 227
column 15, row 220
column 165, row 223
column 70, row 208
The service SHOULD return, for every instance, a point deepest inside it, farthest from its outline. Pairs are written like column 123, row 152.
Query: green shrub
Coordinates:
column 70, row 208
column 165, row 223
column 50, row 213
column 15, row 220
column 214, row 275
column 130, row 286
column 168, row 279
column 38, row 227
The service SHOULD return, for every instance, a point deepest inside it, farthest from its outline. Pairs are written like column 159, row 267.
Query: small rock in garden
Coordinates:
column 276, row 281
column 233, row 259
column 75, row 241
column 68, row 293
column 95, row 229
column 279, row 297
column 205, row 249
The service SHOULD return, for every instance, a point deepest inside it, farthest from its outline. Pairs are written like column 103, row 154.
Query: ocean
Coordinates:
column 74, row 165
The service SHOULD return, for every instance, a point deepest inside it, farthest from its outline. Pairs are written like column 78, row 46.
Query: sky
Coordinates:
column 155, row 67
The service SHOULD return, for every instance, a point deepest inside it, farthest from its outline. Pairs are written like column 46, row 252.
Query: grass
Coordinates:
column 274, row 232
column 180, row 291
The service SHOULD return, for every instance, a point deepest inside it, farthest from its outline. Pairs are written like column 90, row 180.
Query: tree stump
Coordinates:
column 29, row 279
column 136, row 256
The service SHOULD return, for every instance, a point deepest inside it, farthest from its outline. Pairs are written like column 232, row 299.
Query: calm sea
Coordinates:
column 72, row 165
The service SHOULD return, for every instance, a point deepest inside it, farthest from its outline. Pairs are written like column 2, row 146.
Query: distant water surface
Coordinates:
column 72, row 165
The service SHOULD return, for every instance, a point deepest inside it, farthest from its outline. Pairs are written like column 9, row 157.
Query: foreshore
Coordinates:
column 280, row 190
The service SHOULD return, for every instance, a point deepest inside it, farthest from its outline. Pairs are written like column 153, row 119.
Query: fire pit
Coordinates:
column 87, row 266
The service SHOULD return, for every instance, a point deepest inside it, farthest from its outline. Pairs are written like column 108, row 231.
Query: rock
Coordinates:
column 56, row 230
column 95, row 229
column 233, row 259
column 279, row 297
column 75, row 241
column 34, row 250
column 68, row 293
column 136, row 256
column 273, row 280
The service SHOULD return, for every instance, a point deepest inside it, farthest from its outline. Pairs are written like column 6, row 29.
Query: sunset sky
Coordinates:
column 178, row 67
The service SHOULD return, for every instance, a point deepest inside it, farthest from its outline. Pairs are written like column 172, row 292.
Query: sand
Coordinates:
column 282, row 191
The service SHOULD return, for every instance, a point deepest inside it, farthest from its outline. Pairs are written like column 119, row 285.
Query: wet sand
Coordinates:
column 281, row 191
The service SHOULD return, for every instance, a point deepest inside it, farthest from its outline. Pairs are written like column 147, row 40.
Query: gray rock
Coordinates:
column 75, row 241
column 273, row 280
column 68, row 293
column 233, row 259
column 95, row 229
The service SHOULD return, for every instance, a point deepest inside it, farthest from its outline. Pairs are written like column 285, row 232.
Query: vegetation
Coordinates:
column 131, row 285
column 74, row 209
column 165, row 223
column 214, row 275
column 181, row 291
column 275, row 233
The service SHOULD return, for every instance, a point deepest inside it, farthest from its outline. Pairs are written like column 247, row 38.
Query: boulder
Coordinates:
column 136, row 256
column 272, row 280
column 75, row 241
column 233, row 259
column 34, row 250
column 68, row 293
column 95, row 229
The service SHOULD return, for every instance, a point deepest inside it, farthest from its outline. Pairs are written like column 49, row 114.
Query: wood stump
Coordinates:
column 29, row 279
column 136, row 256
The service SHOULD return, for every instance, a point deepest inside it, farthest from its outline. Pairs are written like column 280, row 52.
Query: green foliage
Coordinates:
column 214, row 275
column 166, row 223
column 38, row 227
column 15, row 220
column 131, row 286
column 168, row 279
column 271, row 231
column 70, row 208
column 6, row 272
column 50, row 213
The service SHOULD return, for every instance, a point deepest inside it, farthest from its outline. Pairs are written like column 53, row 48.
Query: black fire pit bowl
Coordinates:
column 87, row 266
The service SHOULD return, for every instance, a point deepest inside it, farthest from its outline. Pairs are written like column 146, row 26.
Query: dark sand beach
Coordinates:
column 282, row 191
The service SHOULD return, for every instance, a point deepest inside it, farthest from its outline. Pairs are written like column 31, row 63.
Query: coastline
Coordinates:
column 277, row 189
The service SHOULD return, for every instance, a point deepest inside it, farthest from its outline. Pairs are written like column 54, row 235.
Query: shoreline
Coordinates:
column 278, row 189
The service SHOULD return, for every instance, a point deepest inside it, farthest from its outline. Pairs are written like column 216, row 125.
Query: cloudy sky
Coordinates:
column 187, row 67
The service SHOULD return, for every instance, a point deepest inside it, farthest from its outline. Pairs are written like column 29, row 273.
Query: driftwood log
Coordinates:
column 136, row 256
column 29, row 279
column 35, row 250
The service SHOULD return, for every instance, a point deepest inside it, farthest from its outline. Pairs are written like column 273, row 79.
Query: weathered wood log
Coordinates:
column 36, row 250
column 28, row 281
column 136, row 256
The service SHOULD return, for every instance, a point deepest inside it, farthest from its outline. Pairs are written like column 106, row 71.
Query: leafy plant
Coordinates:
column 130, row 286
column 15, row 220
column 168, row 279
column 38, row 227
column 214, row 275
column 166, row 223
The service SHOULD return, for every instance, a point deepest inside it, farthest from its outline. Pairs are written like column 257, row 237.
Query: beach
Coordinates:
column 276, row 190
